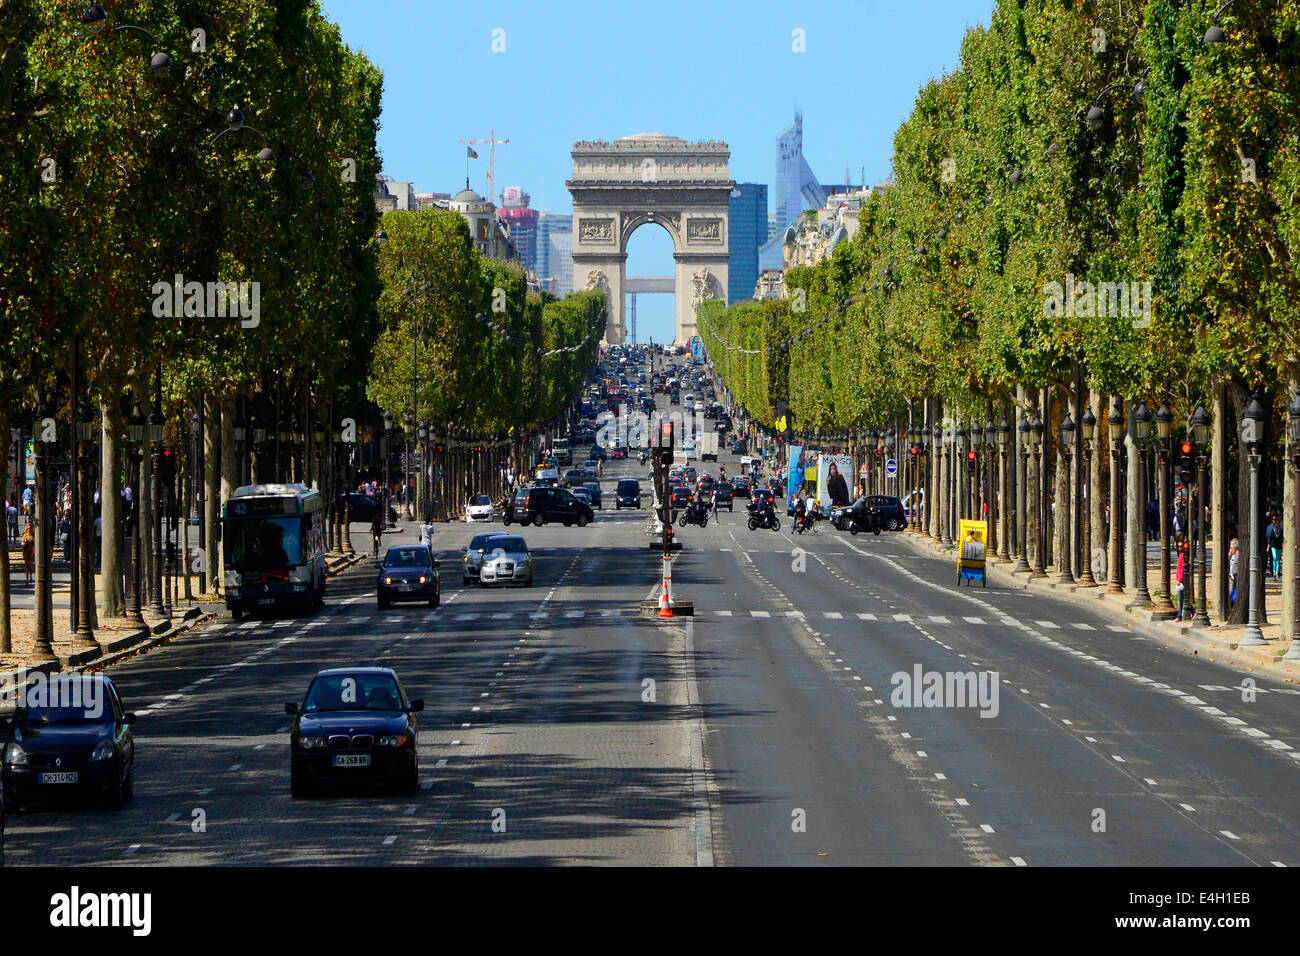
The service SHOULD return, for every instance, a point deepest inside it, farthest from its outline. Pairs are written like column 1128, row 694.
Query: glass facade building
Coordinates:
column 748, row 219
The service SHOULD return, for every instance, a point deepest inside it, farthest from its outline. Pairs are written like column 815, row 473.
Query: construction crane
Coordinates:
column 492, row 142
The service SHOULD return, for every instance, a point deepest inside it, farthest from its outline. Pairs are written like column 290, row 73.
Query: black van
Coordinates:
column 539, row 506
column 627, row 494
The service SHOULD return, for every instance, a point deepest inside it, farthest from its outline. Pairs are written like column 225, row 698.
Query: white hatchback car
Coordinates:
column 479, row 508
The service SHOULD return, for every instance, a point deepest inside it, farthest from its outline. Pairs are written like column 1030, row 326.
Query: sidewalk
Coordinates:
column 117, row 637
column 1217, row 642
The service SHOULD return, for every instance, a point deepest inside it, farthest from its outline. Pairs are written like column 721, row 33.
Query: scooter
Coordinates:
column 507, row 506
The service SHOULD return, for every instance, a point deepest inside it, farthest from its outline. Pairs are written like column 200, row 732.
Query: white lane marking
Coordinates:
column 1120, row 628
column 1049, row 625
column 131, row 849
column 866, row 617
column 1278, row 745
column 441, row 762
column 1117, row 758
column 1188, row 807
column 902, row 617
column 723, row 613
column 1230, row 835
column 389, row 840
column 173, row 818
column 973, row 620
column 759, row 614
column 1018, row 861
column 833, row 615
column 939, row 776
column 921, row 753
column 1149, row 782
column 1253, row 732
column 938, row 619
column 963, row 802
column 1081, row 626
column 234, row 766
column 986, row 828
column 409, row 811
column 1278, row 863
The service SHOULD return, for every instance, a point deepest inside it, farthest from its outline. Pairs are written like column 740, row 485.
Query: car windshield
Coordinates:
column 67, row 701
column 481, row 540
column 481, row 500
column 507, row 545
column 414, row 557
column 357, row 691
column 628, row 485
column 256, row 543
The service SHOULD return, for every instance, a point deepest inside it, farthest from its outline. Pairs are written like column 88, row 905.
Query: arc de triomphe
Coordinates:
column 620, row 186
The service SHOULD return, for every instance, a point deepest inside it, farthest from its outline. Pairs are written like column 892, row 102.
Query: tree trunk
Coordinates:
column 145, row 506
column 1096, row 492
column 1219, row 584
column 229, row 482
column 6, row 633
column 1135, row 546
column 1289, row 524
column 211, row 490
column 111, row 597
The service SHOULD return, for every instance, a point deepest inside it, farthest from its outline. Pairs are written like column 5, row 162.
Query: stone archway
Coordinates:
column 619, row 186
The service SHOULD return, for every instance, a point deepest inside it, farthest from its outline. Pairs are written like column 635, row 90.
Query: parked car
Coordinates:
column 72, row 737
column 543, row 505
column 362, row 508
column 408, row 572
column 473, row 557
column 508, row 561
column 627, row 494
column 354, row 725
column 479, row 508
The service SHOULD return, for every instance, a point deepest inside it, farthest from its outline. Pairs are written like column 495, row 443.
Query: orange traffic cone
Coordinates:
column 664, row 609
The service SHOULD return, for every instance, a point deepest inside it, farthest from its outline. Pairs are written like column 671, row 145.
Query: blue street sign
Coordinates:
column 891, row 468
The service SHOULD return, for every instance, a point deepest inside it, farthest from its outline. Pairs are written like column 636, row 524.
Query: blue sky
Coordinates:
column 574, row 71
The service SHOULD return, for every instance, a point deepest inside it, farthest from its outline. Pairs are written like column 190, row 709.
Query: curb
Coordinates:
column 1181, row 637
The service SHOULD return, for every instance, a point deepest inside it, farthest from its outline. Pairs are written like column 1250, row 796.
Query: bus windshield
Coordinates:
column 259, row 543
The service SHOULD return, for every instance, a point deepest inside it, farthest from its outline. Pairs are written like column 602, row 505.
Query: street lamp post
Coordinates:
column 388, row 455
column 924, row 473
column 1116, row 422
column 1164, row 427
column 1088, row 427
column 1036, row 441
column 421, row 481
column 408, row 427
column 1252, row 435
column 44, row 514
column 1066, row 575
column 1201, row 428
column 85, row 546
column 1142, row 429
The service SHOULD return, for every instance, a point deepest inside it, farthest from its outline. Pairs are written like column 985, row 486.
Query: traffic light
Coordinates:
column 665, row 446
column 167, row 467
column 1185, row 460
column 970, row 461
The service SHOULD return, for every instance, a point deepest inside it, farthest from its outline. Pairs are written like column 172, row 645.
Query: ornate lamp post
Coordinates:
column 989, row 481
column 387, row 453
column 84, row 557
column 421, row 479
column 1201, row 429
column 1116, row 422
column 1066, row 575
column 1293, row 437
column 924, row 472
column 138, row 433
column 1252, row 434
column 408, row 427
column 944, row 486
column 1141, row 430
column 258, row 440
column 1164, row 429
column 1035, row 442
column 1088, row 427
column 241, row 447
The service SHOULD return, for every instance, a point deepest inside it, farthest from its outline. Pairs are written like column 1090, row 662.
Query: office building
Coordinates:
column 749, row 224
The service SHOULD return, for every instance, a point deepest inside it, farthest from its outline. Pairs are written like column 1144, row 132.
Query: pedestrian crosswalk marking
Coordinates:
column 759, row 614
column 938, row 619
column 863, row 616
column 1051, row 625
column 1120, row 628
column 833, row 615
column 973, row 620
column 902, row 617
column 1081, row 626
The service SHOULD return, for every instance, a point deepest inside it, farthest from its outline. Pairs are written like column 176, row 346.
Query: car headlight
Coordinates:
column 393, row 740
column 312, row 743
column 15, row 756
column 423, row 579
column 103, row 751
column 388, row 580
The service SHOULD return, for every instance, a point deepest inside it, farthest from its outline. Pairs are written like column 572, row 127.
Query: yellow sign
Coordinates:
column 780, row 424
column 972, row 544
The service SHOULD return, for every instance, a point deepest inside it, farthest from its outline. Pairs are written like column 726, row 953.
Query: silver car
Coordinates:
column 507, row 561
column 478, row 547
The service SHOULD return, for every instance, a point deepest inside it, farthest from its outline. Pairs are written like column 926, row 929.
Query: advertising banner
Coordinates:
column 833, row 473
column 794, row 474
column 972, row 536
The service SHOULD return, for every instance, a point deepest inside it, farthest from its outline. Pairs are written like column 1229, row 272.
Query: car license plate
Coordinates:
column 352, row 760
column 266, row 600
column 404, row 587
column 58, row 778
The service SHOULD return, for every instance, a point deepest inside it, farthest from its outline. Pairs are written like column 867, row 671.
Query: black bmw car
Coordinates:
column 69, row 736
column 408, row 572
column 356, row 725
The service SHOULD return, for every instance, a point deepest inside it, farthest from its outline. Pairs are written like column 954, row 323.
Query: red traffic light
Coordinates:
column 970, row 456
column 911, row 451
column 1187, row 448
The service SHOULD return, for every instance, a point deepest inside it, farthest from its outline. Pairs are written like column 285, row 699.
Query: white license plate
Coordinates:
column 352, row 760
column 404, row 587
column 266, row 600
column 58, row 777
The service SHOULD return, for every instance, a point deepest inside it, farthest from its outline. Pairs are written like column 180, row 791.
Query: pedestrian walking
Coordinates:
column 1180, row 577
column 426, row 531
column 11, row 520
column 1234, row 566
column 376, row 530
column 29, row 552
column 1273, row 536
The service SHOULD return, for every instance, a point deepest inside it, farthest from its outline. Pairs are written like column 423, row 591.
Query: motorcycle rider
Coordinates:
column 800, row 512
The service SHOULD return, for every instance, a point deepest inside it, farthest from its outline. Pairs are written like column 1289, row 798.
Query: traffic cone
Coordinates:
column 664, row 609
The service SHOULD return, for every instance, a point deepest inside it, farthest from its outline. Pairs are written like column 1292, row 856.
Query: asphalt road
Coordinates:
column 770, row 733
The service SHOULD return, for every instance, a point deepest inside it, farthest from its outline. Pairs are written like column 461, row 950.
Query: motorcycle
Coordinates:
column 694, row 514
column 767, row 519
column 808, row 521
column 507, row 507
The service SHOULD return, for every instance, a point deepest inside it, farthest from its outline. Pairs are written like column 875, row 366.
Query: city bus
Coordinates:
column 273, row 539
